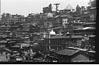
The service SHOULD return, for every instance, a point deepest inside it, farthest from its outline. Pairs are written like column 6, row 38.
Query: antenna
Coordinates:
column 57, row 6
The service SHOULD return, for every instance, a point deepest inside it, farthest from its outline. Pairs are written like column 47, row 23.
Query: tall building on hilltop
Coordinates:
column 69, row 7
column 78, row 9
column 47, row 9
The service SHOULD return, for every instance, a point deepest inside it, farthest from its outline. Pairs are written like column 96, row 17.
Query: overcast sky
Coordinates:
column 24, row 7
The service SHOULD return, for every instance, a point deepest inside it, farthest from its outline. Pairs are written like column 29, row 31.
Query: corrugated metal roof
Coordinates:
column 65, row 15
column 58, row 36
column 68, row 52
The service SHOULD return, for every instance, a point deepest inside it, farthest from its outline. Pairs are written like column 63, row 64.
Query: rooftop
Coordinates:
column 68, row 52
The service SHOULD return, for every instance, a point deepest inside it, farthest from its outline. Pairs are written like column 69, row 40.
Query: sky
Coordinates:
column 24, row 7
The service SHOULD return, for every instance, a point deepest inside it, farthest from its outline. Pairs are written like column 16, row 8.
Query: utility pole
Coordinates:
column 56, row 6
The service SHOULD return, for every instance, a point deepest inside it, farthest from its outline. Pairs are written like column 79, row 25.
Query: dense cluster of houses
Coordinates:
column 66, row 33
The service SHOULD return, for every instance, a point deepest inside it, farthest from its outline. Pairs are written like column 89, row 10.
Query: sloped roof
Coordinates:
column 80, row 58
column 68, row 7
